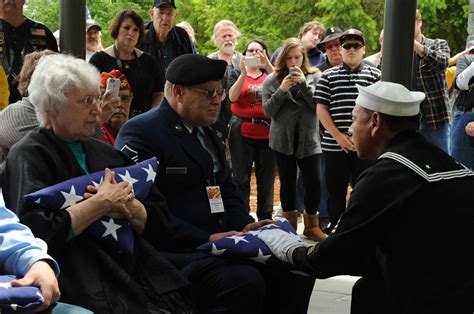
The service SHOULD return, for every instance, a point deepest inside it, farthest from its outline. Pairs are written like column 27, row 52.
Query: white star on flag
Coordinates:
column 127, row 177
column 111, row 228
column 151, row 174
column 260, row 258
column 237, row 239
column 71, row 198
column 215, row 251
column 5, row 285
column 38, row 201
column 100, row 182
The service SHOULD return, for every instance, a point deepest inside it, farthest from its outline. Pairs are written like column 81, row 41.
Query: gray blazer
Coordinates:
column 286, row 111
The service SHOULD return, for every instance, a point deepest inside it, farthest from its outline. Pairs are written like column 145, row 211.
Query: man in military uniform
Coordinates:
column 19, row 36
column 182, row 134
column 393, row 232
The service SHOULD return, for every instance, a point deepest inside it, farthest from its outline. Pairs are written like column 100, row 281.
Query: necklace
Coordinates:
column 126, row 63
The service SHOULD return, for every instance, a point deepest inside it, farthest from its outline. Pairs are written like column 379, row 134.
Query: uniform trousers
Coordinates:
column 222, row 285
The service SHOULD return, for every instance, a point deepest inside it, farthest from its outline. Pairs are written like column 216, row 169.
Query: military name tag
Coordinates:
column 215, row 199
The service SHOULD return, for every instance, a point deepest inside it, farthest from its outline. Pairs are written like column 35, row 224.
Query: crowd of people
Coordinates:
column 314, row 111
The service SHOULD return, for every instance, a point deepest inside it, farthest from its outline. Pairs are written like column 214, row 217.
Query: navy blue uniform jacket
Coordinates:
column 184, row 171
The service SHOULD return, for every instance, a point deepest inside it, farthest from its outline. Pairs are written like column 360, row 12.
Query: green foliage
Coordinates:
column 275, row 20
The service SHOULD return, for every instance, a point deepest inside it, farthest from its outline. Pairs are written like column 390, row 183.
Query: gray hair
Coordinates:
column 168, row 89
column 222, row 23
column 56, row 76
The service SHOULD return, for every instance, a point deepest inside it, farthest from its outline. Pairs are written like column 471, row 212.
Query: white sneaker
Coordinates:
column 278, row 211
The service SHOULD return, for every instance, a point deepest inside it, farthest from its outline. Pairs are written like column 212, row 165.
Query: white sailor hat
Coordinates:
column 390, row 98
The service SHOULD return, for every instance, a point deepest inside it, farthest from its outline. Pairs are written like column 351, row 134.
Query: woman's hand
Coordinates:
column 265, row 63
column 137, row 215
column 109, row 104
column 243, row 68
column 292, row 79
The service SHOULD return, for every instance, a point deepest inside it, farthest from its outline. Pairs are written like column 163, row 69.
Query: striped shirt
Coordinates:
column 337, row 90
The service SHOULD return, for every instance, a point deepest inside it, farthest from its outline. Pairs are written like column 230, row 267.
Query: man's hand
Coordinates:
column 345, row 142
column 41, row 275
column 470, row 129
column 217, row 236
column 255, row 225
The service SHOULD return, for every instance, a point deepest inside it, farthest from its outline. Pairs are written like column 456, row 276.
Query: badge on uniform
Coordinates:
column 38, row 32
column 215, row 199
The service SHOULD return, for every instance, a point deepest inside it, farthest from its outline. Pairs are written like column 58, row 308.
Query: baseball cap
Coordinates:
column 92, row 23
column 352, row 33
column 159, row 3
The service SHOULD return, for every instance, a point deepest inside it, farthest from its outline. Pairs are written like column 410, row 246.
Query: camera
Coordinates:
column 113, row 84
column 252, row 61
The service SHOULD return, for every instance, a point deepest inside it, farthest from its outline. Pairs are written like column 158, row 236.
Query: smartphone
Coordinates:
column 292, row 70
column 114, row 85
column 252, row 61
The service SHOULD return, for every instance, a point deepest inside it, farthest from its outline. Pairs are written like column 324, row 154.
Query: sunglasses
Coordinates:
column 356, row 46
column 211, row 93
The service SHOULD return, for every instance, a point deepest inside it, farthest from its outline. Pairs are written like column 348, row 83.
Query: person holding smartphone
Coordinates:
column 289, row 99
column 249, row 128
column 116, row 107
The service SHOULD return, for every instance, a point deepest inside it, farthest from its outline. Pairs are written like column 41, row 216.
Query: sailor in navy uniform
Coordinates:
column 183, row 135
column 394, row 233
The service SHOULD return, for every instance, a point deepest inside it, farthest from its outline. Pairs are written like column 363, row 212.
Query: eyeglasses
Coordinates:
column 329, row 47
column 90, row 101
column 356, row 46
column 254, row 50
column 126, row 98
column 211, row 93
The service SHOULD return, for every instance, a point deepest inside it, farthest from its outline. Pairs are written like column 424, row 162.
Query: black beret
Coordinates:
column 191, row 69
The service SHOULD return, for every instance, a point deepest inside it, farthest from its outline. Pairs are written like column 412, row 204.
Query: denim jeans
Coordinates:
column 63, row 308
column 461, row 144
column 439, row 137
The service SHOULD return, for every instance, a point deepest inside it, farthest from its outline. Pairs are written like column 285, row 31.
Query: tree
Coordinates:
column 275, row 20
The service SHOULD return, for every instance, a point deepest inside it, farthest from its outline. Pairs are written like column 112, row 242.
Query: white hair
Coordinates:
column 168, row 89
column 222, row 23
column 54, row 77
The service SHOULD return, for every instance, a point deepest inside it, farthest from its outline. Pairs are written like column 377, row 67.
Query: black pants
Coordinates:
column 340, row 169
column 309, row 167
column 244, row 152
column 369, row 296
column 225, row 286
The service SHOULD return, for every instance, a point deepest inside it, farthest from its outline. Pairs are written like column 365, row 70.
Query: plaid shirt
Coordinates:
column 431, row 79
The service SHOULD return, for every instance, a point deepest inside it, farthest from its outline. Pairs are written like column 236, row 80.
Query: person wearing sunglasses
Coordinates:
column 182, row 133
column 115, row 110
column 335, row 96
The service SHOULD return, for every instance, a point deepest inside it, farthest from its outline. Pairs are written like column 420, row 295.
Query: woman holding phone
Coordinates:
column 249, row 128
column 288, row 98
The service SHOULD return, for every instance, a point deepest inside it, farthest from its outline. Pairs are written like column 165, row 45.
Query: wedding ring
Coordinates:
column 131, row 196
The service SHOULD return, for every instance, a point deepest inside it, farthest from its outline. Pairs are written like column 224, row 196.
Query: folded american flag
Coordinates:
column 115, row 233
column 18, row 299
column 250, row 247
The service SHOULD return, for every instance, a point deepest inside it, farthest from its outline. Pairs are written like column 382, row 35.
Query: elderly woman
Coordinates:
column 288, row 98
column 65, row 93
column 140, row 68
column 112, row 120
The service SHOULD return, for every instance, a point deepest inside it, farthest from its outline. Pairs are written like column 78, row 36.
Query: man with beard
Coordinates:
column 115, row 110
column 93, row 38
column 163, row 40
column 225, row 38
column 20, row 36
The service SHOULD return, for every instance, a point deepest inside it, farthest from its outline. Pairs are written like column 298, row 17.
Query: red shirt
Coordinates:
column 249, row 105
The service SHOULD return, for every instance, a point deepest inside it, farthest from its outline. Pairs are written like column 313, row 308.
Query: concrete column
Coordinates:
column 72, row 27
column 399, row 33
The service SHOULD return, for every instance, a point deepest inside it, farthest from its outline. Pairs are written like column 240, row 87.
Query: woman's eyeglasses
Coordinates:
column 254, row 50
column 356, row 46
column 211, row 93
column 90, row 101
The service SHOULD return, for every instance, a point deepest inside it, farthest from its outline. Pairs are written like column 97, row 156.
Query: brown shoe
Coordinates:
column 292, row 217
column 311, row 228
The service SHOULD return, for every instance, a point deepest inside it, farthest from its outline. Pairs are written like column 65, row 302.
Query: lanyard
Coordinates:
column 119, row 61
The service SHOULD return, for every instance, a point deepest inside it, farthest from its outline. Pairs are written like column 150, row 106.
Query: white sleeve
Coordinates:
column 463, row 78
